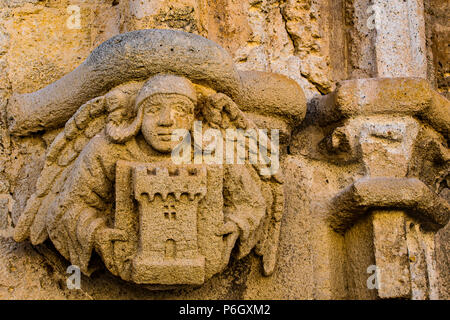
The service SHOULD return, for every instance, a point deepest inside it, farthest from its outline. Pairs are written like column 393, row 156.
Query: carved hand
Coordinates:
column 230, row 231
column 104, row 239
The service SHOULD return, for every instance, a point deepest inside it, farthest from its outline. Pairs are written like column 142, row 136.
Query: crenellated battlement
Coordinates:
column 151, row 180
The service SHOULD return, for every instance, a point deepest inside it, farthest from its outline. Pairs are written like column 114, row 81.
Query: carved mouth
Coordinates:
column 164, row 136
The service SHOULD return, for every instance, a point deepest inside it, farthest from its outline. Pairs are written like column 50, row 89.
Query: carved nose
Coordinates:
column 165, row 118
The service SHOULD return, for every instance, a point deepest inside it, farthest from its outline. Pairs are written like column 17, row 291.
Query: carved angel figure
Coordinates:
column 74, row 204
column 110, row 185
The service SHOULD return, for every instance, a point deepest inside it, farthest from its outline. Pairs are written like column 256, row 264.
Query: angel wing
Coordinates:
column 223, row 113
column 79, row 129
column 90, row 119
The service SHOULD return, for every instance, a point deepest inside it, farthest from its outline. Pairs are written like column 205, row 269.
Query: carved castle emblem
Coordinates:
column 109, row 184
column 168, row 216
column 167, row 212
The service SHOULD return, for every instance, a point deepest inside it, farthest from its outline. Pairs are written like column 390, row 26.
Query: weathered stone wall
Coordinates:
column 315, row 42
column 438, row 41
column 438, row 44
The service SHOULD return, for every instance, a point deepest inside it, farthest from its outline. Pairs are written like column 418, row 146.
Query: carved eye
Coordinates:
column 182, row 107
column 153, row 108
column 178, row 107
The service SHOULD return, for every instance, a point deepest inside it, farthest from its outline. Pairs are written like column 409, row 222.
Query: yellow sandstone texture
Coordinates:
column 352, row 200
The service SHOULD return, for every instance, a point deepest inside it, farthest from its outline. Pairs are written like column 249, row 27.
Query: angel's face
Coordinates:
column 164, row 113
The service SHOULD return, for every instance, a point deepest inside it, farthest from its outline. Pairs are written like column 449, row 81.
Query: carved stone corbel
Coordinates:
column 395, row 205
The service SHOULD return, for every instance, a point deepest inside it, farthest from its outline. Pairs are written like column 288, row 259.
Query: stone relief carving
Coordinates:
column 368, row 172
column 109, row 184
column 387, row 140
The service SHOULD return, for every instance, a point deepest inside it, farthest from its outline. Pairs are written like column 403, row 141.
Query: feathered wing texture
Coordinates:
column 267, row 245
column 89, row 120
column 221, row 112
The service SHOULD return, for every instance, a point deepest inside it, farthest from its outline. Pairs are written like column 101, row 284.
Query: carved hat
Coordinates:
column 139, row 54
column 166, row 84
